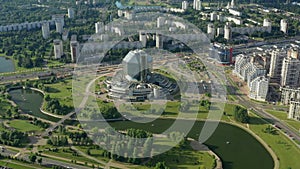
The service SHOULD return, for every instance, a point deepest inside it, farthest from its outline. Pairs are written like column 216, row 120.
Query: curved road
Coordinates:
column 259, row 110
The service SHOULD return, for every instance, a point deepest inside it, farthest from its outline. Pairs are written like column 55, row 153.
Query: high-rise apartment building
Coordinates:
column 294, row 110
column 277, row 57
column 58, row 48
column 74, row 47
column 197, row 5
column 46, row 30
column 290, row 72
column 259, row 88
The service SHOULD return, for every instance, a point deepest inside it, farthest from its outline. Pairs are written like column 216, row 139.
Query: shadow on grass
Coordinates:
column 53, row 90
column 259, row 120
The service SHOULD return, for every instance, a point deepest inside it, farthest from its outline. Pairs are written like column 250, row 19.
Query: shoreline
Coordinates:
column 218, row 159
column 41, row 108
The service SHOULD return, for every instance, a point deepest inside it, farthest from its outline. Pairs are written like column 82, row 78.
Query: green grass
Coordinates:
column 284, row 116
column 18, row 165
column 187, row 158
column 24, row 126
column 61, row 90
column 229, row 110
column 97, row 153
column 287, row 152
column 69, row 155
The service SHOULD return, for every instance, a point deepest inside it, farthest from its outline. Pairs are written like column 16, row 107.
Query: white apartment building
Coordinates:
column 74, row 47
column 227, row 32
column 184, row 5
column 197, row 5
column 240, row 62
column 46, row 30
column 58, row 48
column 59, row 26
column 211, row 30
column 289, row 94
column 277, row 57
column 259, row 88
column 256, row 71
column 71, row 13
column 290, row 72
column 283, row 26
column 294, row 110
column 235, row 12
column 99, row 27
column 213, row 16
column 254, row 75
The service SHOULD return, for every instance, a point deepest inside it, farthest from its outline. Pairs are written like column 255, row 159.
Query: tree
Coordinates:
column 32, row 158
column 38, row 62
column 88, row 151
column 241, row 114
column 8, row 113
column 161, row 165
column 47, row 97
column 40, row 160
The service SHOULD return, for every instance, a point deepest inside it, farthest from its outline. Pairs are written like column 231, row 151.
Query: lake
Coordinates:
column 30, row 102
column 243, row 152
column 6, row 65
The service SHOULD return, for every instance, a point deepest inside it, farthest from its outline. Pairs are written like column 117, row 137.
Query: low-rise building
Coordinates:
column 235, row 12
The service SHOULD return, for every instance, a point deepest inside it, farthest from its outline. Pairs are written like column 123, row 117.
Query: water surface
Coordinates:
column 6, row 65
column 30, row 102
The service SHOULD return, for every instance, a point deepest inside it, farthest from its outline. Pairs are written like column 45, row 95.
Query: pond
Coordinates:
column 30, row 101
column 242, row 152
column 6, row 65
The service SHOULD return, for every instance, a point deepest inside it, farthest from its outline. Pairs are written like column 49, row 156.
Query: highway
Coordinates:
column 33, row 75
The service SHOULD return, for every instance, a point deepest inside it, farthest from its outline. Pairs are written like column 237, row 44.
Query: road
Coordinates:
column 52, row 127
column 34, row 75
column 259, row 110
column 45, row 161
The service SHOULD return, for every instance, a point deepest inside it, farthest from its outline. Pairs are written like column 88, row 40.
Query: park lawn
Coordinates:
column 229, row 110
column 69, row 155
column 24, row 126
column 287, row 152
column 54, row 63
column 94, row 152
column 187, row 158
column 18, row 165
column 61, row 90
column 284, row 116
